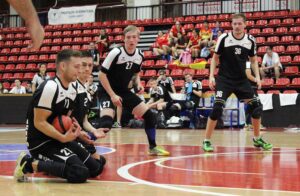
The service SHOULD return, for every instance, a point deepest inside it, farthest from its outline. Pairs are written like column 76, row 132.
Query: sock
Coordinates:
column 151, row 133
column 256, row 138
column 206, row 140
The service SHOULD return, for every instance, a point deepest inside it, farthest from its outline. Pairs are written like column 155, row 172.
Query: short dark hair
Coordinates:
column 86, row 53
column 239, row 15
column 65, row 55
column 40, row 64
column 162, row 71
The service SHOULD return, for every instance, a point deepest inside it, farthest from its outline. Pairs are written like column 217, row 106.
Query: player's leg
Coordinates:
column 223, row 90
column 117, row 124
column 140, row 109
column 107, row 112
column 244, row 91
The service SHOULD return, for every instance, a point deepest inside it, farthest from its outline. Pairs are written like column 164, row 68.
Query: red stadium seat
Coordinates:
column 18, row 76
column 223, row 17
column 287, row 39
column 2, row 67
column 45, row 48
column 212, row 17
column 51, row 74
column 150, row 73
column 10, row 67
column 199, row 26
column 65, row 47
column 282, row 13
column 254, row 31
column 189, row 19
column 267, row 82
column 281, row 30
column 158, row 20
column 10, row 36
column 20, row 67
column 200, row 18
column 176, row 73
column 6, row 85
column 67, row 40
column 289, row 92
column 296, row 59
column 148, row 54
column 277, row 92
column 22, row 58
column 272, row 39
column 116, row 23
column 297, row 39
column 189, row 71
column 87, row 32
column 262, row 49
column 257, row 15
column 75, row 47
column 168, row 20
column 267, row 31
column 291, row 70
column 282, row 83
column 250, row 23
column 3, row 59
column 295, row 82
column 106, row 23
column 148, row 63
column 56, row 33
column 292, row 49
column 19, row 36
column 285, row 59
column 67, row 33
column 178, row 83
column 57, row 40
column 77, row 39
column 9, row 43
column 67, row 26
column 48, row 34
column 31, row 66
column 97, row 24
column 87, row 39
column 86, row 25
column 47, row 41
column 225, row 24
column 18, row 43
column 119, row 38
column 15, row 50
column 76, row 32
column 294, row 13
column 188, row 27
column 295, row 29
column 126, row 22
column 76, row 26
column 161, row 63
column 297, row 22
column 261, row 23
column 117, row 30
column 43, row 57
column 5, row 50
column 51, row 66
column 179, row 19
column 269, row 14
column 274, row 22
column 53, row 56
column 279, row 49
column 260, row 40
column 29, row 75
column 288, row 21
column 7, row 76
column 33, row 57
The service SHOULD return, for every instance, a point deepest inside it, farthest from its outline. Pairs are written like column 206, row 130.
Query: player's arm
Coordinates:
column 138, row 83
column 103, row 77
column 99, row 133
column 254, row 63
column 198, row 93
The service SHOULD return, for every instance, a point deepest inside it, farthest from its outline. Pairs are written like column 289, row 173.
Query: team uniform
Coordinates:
column 70, row 156
column 119, row 66
column 190, row 96
column 38, row 79
column 83, row 101
column 167, row 84
column 156, row 93
column 231, row 76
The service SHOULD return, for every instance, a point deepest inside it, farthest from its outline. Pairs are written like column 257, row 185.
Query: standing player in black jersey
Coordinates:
column 120, row 65
column 232, row 51
column 83, row 102
column 53, row 152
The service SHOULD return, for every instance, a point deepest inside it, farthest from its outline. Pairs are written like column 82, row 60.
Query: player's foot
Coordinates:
column 207, row 147
column 158, row 151
column 116, row 125
column 260, row 143
column 22, row 167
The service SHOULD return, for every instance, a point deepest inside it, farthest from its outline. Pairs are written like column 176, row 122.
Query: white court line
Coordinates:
column 124, row 172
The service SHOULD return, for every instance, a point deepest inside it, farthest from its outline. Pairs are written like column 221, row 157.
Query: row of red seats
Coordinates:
column 21, row 76
column 270, row 31
column 287, row 39
column 24, row 67
column 291, row 49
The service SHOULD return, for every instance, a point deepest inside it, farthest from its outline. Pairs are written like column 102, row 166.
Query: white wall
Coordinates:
column 142, row 13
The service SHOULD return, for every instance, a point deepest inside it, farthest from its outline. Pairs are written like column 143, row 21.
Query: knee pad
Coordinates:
column 149, row 119
column 106, row 122
column 174, row 110
column 76, row 173
column 255, row 108
column 217, row 111
column 95, row 166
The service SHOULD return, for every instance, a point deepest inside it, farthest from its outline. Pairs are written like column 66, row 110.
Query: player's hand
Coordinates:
column 212, row 83
column 85, row 138
column 100, row 133
column 71, row 134
column 258, row 82
column 117, row 101
column 36, row 33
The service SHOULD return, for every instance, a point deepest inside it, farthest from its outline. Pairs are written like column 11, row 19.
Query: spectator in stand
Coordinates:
column 2, row 90
column 102, row 42
column 18, row 89
column 194, row 44
column 205, row 34
column 40, row 77
column 162, row 45
column 173, row 35
column 216, row 31
column 157, row 95
column 270, row 64
column 28, row 88
column 95, row 53
column 180, row 46
column 165, row 81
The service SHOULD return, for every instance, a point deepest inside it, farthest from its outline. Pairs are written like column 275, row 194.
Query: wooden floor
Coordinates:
column 235, row 168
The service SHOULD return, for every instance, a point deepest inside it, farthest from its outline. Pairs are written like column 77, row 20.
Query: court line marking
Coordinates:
column 124, row 171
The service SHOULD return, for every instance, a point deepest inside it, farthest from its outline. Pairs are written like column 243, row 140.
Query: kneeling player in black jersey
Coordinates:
column 52, row 152
column 120, row 65
column 82, row 102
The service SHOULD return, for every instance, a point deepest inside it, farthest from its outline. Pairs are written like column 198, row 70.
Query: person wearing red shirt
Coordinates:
column 194, row 44
column 174, row 31
column 161, row 45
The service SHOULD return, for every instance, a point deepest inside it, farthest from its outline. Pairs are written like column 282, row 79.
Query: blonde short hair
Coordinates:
column 239, row 15
column 131, row 28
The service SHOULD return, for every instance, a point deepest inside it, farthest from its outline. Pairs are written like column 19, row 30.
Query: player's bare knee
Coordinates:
column 217, row 111
column 140, row 109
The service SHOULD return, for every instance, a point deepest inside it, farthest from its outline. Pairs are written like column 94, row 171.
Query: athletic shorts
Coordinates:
column 129, row 100
column 60, row 152
column 241, row 88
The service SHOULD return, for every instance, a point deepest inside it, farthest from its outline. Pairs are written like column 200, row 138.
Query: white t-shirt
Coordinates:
column 269, row 61
column 39, row 79
column 16, row 90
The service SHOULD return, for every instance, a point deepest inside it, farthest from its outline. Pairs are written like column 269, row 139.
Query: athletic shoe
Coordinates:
column 261, row 143
column 116, row 125
column 21, row 170
column 158, row 151
column 207, row 147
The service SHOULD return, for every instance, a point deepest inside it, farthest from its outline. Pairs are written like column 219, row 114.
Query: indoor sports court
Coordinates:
column 180, row 97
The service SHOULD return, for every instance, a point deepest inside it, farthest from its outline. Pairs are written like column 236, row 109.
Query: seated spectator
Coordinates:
column 157, row 95
column 28, row 88
column 216, row 31
column 270, row 64
column 205, row 34
column 18, row 89
column 193, row 91
column 95, row 53
column 194, row 44
column 102, row 42
column 166, row 82
column 180, row 46
column 173, row 34
column 39, row 77
column 162, row 45
column 2, row 90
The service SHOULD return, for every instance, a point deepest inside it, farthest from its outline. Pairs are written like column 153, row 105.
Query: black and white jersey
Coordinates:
column 119, row 66
column 38, row 79
column 189, row 87
column 233, row 55
column 82, row 102
column 167, row 83
column 52, row 96
column 156, row 93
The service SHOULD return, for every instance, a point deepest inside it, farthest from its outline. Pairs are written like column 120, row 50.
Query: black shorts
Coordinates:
column 129, row 100
column 89, row 147
column 241, row 88
column 60, row 152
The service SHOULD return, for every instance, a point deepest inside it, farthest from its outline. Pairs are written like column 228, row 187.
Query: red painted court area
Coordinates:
column 233, row 167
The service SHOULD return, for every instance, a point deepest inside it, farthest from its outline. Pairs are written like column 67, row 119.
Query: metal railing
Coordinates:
column 164, row 10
